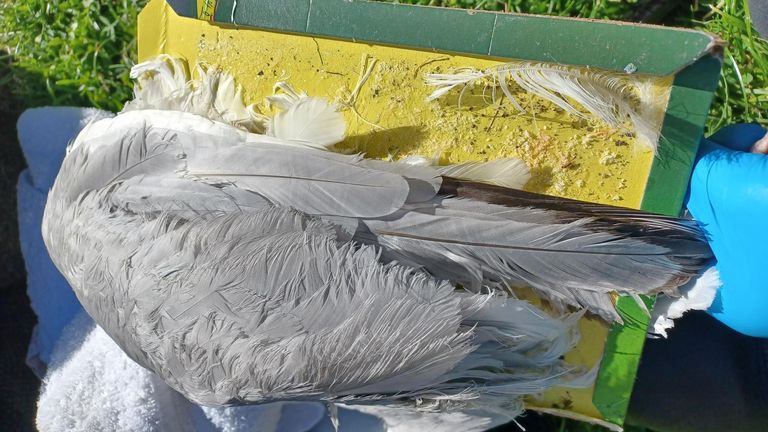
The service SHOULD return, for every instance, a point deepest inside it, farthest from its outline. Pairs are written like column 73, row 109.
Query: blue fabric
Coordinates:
column 50, row 296
column 43, row 135
column 728, row 195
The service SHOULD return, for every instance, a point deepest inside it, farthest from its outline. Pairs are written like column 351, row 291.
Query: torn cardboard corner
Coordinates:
column 371, row 57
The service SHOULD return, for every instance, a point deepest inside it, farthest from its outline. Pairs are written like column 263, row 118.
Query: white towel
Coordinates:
column 93, row 386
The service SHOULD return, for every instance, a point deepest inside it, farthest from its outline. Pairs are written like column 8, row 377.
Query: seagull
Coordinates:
column 243, row 262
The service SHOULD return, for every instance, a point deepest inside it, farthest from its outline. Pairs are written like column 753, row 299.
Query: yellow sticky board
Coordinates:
column 383, row 94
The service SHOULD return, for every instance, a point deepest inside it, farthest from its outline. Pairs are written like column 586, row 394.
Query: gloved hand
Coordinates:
column 728, row 195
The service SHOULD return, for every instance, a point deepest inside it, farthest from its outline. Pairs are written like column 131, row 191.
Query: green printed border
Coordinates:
column 683, row 127
column 608, row 45
column 653, row 50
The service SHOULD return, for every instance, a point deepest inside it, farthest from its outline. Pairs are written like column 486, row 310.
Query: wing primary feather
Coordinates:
column 571, row 252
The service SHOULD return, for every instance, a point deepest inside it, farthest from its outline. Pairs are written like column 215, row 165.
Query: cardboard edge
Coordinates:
column 682, row 128
column 225, row 12
column 715, row 47
column 616, row 378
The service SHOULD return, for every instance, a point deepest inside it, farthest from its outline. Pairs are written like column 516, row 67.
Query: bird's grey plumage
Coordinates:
column 245, row 268
column 233, row 298
column 576, row 261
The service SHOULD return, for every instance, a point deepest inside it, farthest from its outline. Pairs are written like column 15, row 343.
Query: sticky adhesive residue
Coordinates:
column 383, row 96
column 389, row 116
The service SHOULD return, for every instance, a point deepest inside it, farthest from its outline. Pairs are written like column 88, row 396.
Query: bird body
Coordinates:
column 233, row 299
column 246, row 268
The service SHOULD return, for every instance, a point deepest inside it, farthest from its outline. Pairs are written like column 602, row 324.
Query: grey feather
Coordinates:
column 423, row 181
column 156, row 194
column 313, row 181
column 223, row 261
column 233, row 299
column 570, row 261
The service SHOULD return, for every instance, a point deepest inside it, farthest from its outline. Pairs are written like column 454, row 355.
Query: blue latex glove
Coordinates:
column 728, row 195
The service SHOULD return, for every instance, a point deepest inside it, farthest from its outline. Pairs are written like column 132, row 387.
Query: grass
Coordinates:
column 743, row 92
column 79, row 52
column 68, row 52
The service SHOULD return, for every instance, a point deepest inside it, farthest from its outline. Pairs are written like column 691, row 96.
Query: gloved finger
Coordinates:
column 739, row 137
column 728, row 196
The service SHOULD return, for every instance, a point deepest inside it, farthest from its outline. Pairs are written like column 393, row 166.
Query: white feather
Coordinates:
column 611, row 97
column 511, row 173
column 698, row 294
column 417, row 160
column 405, row 419
column 309, row 120
column 165, row 83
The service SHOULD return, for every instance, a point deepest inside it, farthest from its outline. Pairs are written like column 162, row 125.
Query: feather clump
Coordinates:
column 613, row 98
column 308, row 120
column 165, row 83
